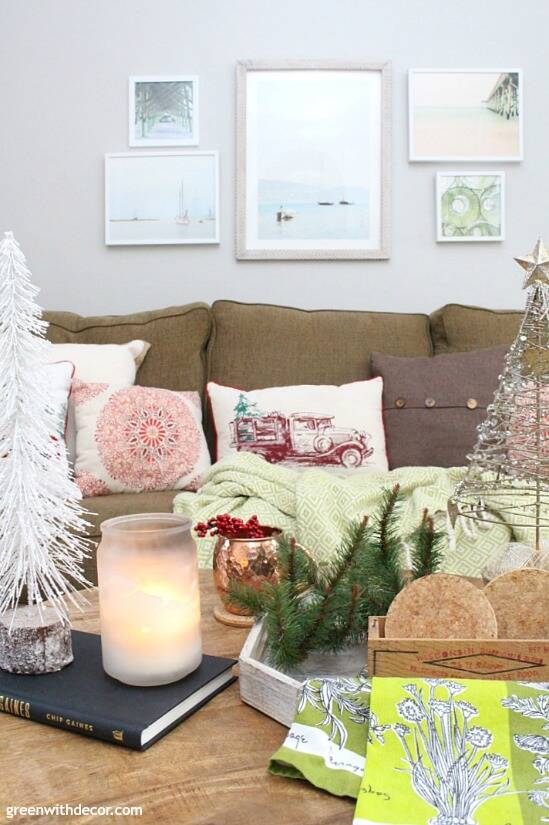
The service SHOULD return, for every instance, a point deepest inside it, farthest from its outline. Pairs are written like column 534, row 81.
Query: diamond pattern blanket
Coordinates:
column 316, row 505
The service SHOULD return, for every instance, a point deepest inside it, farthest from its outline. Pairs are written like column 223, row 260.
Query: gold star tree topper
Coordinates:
column 536, row 265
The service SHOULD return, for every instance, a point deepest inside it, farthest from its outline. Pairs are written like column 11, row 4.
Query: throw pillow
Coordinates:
column 432, row 406
column 305, row 425
column 59, row 380
column 136, row 439
column 104, row 363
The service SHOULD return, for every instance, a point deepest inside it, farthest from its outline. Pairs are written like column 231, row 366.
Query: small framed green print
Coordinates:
column 470, row 206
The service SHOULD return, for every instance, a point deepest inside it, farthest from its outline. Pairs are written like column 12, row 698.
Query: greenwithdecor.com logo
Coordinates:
column 73, row 810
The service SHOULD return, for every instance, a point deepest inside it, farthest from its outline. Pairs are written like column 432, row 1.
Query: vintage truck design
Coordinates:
column 306, row 438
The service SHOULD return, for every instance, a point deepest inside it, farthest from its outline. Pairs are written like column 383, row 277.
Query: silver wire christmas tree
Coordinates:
column 508, row 473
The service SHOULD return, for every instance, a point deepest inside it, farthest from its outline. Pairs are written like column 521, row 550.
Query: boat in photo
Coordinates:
column 183, row 215
column 285, row 214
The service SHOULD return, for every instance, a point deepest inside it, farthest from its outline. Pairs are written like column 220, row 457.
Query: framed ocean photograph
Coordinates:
column 313, row 160
column 163, row 111
column 465, row 114
column 161, row 198
column 470, row 206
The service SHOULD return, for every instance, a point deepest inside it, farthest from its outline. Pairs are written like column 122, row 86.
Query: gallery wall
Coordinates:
column 64, row 67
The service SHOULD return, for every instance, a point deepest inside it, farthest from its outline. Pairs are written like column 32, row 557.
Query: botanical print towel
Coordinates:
column 457, row 752
column 327, row 741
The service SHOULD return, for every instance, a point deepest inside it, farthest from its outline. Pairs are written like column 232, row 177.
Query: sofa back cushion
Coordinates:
column 459, row 328
column 178, row 337
column 254, row 346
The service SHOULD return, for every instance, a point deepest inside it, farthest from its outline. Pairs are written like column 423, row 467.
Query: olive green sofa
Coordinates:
column 256, row 345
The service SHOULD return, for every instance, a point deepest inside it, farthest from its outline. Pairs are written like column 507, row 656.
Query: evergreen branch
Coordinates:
column 284, row 628
column 336, row 591
column 249, row 598
column 346, row 554
column 426, row 553
column 317, row 606
column 390, row 502
column 294, row 564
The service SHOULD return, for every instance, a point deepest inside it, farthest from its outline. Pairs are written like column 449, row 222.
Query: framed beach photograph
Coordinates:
column 161, row 198
column 163, row 111
column 470, row 206
column 313, row 160
column 465, row 114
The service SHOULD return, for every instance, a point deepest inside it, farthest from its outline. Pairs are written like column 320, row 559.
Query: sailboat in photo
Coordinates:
column 183, row 214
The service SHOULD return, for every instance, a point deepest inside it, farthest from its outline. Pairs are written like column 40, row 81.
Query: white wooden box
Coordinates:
column 276, row 693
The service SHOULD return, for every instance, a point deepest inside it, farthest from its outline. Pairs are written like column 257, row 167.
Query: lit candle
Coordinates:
column 149, row 599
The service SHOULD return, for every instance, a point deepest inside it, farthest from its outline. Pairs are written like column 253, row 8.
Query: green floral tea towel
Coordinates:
column 327, row 741
column 453, row 752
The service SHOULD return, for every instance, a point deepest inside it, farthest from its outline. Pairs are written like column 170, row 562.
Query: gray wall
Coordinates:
column 64, row 66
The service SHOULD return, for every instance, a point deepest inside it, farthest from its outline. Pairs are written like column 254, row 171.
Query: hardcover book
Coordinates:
column 81, row 698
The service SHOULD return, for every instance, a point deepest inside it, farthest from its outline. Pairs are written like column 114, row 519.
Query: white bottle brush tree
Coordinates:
column 42, row 547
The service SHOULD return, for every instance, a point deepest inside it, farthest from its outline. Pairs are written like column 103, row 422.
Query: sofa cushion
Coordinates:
column 433, row 406
column 100, row 508
column 459, row 328
column 254, row 346
column 178, row 338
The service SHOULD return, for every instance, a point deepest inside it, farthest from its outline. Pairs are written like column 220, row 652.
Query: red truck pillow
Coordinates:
column 303, row 426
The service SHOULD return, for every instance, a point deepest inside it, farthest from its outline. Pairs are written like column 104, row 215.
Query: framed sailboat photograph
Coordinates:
column 162, row 198
column 313, row 160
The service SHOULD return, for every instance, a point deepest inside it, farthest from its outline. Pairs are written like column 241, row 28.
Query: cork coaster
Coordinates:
column 440, row 607
column 520, row 600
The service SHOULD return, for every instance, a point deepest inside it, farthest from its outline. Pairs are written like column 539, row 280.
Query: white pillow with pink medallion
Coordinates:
column 304, row 426
column 137, row 439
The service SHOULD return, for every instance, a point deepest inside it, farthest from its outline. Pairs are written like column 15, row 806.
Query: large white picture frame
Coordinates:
column 313, row 160
column 163, row 110
column 161, row 198
column 470, row 206
column 465, row 115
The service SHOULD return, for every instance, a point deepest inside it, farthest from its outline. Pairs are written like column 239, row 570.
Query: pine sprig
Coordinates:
column 249, row 598
column 327, row 606
column 283, row 627
column 384, row 568
column 426, row 553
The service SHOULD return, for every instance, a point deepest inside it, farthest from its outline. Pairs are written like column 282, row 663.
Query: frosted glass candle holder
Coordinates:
column 149, row 599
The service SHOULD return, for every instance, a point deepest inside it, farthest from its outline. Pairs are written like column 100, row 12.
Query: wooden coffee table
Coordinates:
column 211, row 770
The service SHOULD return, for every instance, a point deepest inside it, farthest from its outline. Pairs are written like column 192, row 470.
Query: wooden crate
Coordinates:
column 507, row 659
column 276, row 693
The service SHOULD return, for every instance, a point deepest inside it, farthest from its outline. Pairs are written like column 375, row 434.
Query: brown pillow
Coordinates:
column 433, row 405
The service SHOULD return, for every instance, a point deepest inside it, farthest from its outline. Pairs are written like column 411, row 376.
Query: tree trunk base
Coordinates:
column 31, row 642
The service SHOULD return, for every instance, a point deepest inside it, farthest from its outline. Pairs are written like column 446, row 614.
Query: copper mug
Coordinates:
column 248, row 561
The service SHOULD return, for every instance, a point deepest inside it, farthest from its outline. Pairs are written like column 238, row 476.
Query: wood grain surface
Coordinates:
column 211, row 770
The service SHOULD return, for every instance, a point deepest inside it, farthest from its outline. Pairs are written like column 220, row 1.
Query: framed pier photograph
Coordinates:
column 163, row 110
column 465, row 114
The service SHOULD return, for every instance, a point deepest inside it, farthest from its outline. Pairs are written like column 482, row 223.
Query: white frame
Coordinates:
column 383, row 251
column 144, row 142
column 438, row 192
column 413, row 157
column 168, row 241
